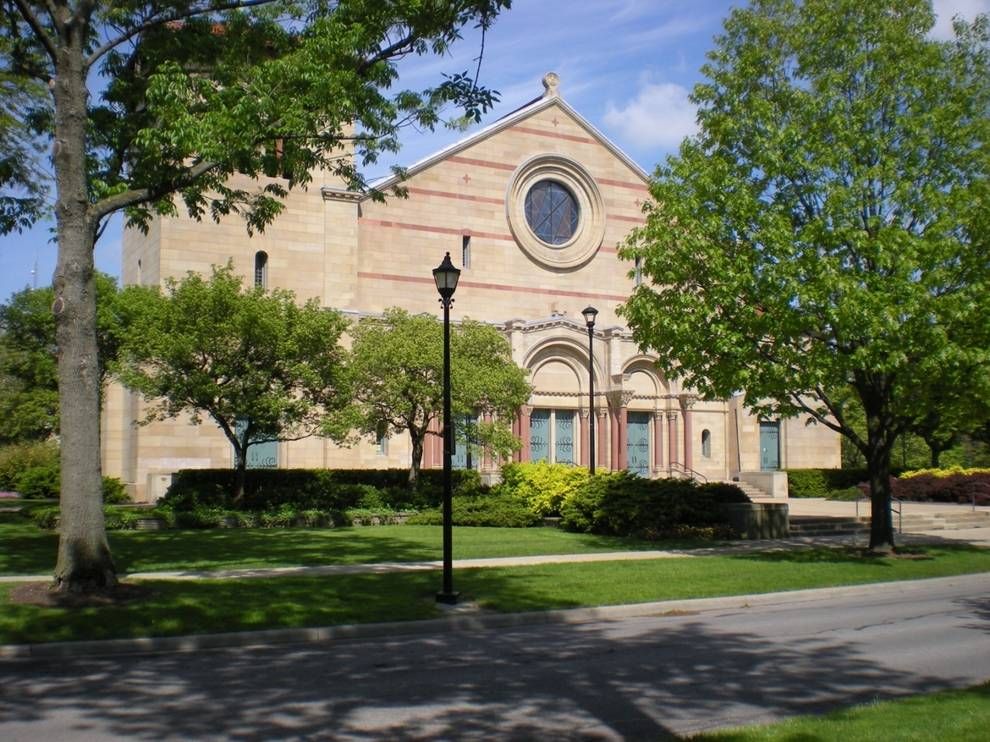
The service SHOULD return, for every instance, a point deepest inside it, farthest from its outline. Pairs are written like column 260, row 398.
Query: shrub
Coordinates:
column 45, row 517
column 622, row 504
column 956, row 486
column 819, row 482
column 332, row 490
column 114, row 492
column 39, row 482
column 495, row 510
column 544, row 487
column 18, row 457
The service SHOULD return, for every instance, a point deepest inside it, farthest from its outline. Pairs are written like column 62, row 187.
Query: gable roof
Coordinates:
column 533, row 107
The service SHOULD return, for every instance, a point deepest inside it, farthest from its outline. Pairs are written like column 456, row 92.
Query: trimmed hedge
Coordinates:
column 820, row 482
column 499, row 511
column 328, row 490
column 622, row 504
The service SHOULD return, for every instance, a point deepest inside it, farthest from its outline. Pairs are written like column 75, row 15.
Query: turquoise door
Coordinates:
column 463, row 456
column 638, row 443
column 769, row 446
column 539, row 435
column 564, row 438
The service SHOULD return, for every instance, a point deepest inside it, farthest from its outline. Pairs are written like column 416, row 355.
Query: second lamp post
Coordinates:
column 590, row 313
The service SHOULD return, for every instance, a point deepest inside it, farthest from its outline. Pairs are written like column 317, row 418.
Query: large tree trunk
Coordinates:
column 84, row 562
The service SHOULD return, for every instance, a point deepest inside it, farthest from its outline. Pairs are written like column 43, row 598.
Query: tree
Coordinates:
column 196, row 90
column 29, row 357
column 826, row 230
column 397, row 373
column 257, row 364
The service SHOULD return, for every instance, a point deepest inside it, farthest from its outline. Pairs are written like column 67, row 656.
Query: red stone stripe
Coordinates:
column 461, row 196
column 554, row 134
column 496, row 286
column 436, row 230
column 624, row 184
column 480, row 163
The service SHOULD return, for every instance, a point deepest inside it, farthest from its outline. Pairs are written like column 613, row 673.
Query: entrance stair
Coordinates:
column 941, row 520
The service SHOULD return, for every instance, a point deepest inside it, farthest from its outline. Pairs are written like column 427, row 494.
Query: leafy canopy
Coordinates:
column 212, row 348
column 28, row 357
column 827, row 228
column 397, row 367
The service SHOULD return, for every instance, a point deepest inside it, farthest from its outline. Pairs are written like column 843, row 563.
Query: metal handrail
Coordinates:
column 896, row 505
column 681, row 469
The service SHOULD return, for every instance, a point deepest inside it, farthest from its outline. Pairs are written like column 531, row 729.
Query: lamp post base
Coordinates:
column 448, row 598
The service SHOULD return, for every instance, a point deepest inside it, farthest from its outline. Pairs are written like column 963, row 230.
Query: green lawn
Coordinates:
column 950, row 716
column 176, row 608
column 25, row 549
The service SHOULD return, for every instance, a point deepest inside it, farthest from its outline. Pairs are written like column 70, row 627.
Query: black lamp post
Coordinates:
column 590, row 313
column 446, row 276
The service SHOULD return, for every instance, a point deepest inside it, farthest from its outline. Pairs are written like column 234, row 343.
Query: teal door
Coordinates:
column 769, row 446
column 564, row 437
column 638, row 443
column 539, row 435
column 465, row 446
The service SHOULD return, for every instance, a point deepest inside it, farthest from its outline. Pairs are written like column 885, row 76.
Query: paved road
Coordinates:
column 636, row 678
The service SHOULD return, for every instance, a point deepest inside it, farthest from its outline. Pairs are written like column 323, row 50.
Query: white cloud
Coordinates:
column 946, row 10
column 659, row 116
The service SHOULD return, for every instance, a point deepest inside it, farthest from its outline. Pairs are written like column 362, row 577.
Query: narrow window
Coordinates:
column 381, row 439
column 261, row 269
column 466, row 251
column 638, row 271
column 706, row 443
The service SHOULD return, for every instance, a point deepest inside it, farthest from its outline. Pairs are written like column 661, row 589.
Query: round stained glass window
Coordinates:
column 552, row 212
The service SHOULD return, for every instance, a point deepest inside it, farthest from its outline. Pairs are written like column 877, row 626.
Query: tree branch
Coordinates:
column 160, row 20
column 108, row 205
column 39, row 31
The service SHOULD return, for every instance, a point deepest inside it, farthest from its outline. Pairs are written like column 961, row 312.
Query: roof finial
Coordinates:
column 551, row 81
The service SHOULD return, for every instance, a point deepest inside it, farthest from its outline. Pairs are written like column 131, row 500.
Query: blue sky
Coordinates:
column 626, row 65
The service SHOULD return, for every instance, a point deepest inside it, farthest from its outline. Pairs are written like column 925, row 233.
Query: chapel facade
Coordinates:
column 532, row 209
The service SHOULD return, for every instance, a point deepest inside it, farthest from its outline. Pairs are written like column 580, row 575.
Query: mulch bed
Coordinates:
column 41, row 594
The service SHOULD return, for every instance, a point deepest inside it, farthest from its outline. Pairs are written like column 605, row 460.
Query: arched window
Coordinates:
column 261, row 269
column 706, row 443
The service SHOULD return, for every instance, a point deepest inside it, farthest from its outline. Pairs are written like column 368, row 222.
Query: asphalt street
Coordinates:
column 642, row 677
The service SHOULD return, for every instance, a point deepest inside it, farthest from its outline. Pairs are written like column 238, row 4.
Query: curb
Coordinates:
column 459, row 620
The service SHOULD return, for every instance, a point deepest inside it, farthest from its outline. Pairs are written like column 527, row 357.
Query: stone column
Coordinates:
column 623, row 437
column 524, row 412
column 586, row 442
column 613, row 419
column 687, row 403
column 672, row 437
column 602, row 461
column 657, row 440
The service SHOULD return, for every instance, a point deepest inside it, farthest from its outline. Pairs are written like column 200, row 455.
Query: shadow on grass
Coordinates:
column 855, row 555
column 638, row 679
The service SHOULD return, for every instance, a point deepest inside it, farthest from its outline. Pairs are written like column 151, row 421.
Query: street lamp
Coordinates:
column 445, row 275
column 590, row 313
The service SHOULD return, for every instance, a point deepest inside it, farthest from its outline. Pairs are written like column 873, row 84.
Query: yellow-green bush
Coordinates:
column 944, row 472
column 543, row 486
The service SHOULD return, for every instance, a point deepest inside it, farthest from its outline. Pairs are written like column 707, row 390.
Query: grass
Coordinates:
column 177, row 608
column 26, row 549
column 949, row 716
